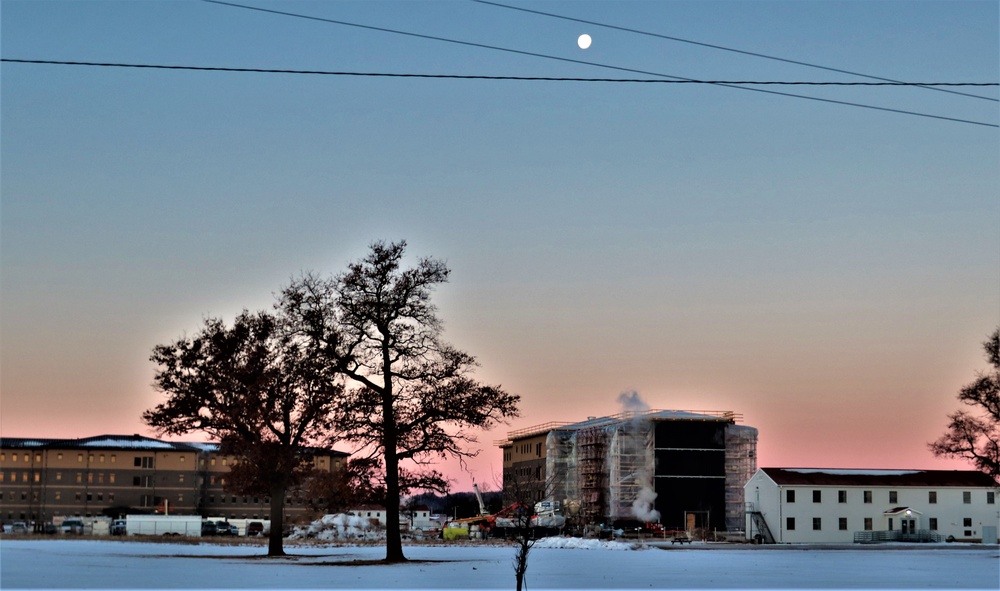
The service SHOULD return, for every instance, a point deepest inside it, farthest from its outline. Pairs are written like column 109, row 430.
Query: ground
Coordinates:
column 555, row 564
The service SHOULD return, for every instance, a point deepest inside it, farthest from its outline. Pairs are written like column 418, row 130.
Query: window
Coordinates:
column 967, row 522
column 79, row 458
column 893, row 497
column 868, row 523
column 58, row 456
column 24, row 477
column 817, row 523
column 225, row 461
column 817, row 496
column 90, row 457
column 101, row 458
column 143, row 462
column 100, row 496
column 79, row 477
column 3, row 457
column 967, row 497
column 142, row 481
column 868, row 496
column 111, row 478
column 538, row 450
column 38, row 457
column 932, row 523
column 932, row 497
column 790, row 523
column 26, row 456
column 58, row 495
column 58, row 475
column 1, row 476
column 968, row 533
column 991, row 497
column 13, row 457
column 38, row 477
column 114, row 458
column 841, row 496
column 90, row 477
column 180, row 478
column 789, row 496
column 842, row 523
column 90, row 497
column 100, row 478
column 79, row 496
column 111, row 497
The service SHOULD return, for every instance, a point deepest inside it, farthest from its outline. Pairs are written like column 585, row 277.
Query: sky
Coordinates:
column 554, row 563
column 828, row 271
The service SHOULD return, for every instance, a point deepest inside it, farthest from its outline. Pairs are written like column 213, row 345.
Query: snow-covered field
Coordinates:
column 554, row 564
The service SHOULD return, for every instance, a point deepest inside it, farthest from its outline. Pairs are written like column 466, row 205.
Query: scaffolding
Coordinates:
column 602, row 469
column 629, row 466
column 741, row 463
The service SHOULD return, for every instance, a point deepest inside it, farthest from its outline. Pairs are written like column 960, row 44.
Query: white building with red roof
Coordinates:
column 817, row 505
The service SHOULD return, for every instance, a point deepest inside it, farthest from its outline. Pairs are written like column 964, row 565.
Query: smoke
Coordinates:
column 642, row 506
column 630, row 401
column 633, row 404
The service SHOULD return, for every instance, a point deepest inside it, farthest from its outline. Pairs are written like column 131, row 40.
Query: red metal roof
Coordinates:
column 862, row 477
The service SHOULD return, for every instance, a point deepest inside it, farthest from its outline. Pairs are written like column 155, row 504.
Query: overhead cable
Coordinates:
column 570, row 60
column 720, row 47
column 486, row 77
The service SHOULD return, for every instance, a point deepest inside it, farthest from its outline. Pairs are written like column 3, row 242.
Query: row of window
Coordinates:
column 57, row 496
column 817, row 496
column 92, row 458
column 91, row 477
column 817, row 523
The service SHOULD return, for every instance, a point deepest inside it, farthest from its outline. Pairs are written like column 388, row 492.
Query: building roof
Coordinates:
column 623, row 417
column 136, row 442
column 864, row 477
column 131, row 442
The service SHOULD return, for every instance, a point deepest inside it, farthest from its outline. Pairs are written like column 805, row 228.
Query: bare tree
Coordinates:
column 413, row 398
column 975, row 436
column 257, row 388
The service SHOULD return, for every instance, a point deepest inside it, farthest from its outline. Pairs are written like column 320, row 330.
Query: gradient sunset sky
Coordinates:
column 828, row 271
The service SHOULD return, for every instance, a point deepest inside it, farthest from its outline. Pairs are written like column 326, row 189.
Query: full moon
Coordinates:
column 583, row 41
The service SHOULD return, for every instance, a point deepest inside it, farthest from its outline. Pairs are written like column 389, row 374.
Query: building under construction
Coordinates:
column 683, row 469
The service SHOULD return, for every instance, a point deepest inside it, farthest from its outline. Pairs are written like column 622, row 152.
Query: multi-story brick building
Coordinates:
column 42, row 479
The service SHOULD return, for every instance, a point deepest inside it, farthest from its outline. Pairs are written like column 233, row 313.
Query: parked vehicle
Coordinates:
column 118, row 527
column 19, row 527
column 208, row 528
column 224, row 528
column 255, row 528
column 72, row 525
column 163, row 525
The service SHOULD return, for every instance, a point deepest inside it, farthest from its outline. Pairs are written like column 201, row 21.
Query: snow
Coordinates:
column 553, row 564
column 340, row 526
column 127, row 444
column 852, row 472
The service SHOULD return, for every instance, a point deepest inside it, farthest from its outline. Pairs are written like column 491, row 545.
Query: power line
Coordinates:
column 483, row 76
column 720, row 47
column 584, row 62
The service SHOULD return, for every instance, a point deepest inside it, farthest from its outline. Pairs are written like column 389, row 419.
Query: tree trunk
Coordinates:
column 275, row 545
column 393, row 541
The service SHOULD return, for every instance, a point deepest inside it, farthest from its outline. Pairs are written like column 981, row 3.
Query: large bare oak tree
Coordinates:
column 975, row 435
column 411, row 397
column 262, row 390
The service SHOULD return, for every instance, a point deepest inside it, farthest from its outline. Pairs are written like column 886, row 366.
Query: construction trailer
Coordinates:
column 683, row 469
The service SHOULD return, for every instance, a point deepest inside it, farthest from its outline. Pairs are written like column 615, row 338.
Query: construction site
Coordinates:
column 680, row 470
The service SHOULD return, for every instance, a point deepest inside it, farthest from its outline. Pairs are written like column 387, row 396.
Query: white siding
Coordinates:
column 953, row 516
